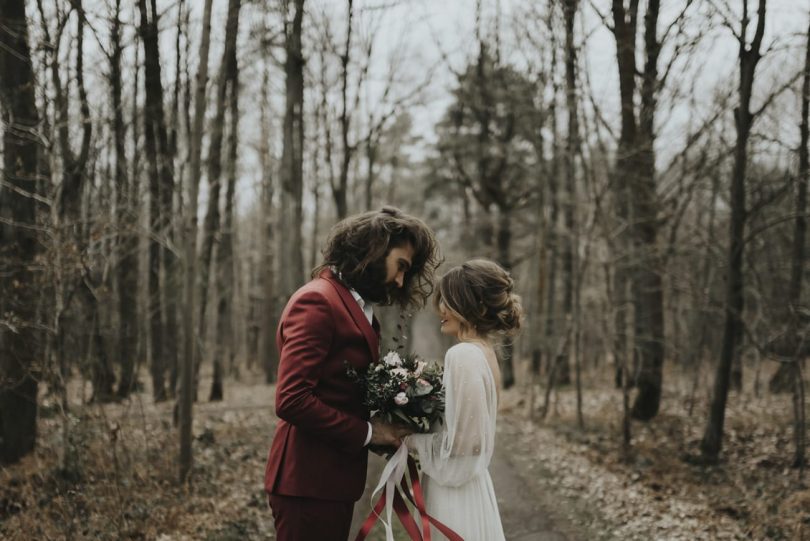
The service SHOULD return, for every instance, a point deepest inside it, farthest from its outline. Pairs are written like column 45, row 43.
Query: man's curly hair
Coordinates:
column 359, row 244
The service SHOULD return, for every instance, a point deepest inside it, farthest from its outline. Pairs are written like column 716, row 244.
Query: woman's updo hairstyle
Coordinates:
column 479, row 293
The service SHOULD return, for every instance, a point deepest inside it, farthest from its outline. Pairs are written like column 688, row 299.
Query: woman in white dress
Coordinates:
column 476, row 305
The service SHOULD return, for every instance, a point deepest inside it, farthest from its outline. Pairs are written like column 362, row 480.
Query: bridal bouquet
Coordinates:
column 403, row 389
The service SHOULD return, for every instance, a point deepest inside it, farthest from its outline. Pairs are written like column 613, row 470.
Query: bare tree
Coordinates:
column 126, row 208
column 559, row 367
column 486, row 139
column 268, row 253
column 189, row 338
column 225, row 274
column 161, row 187
column 19, row 242
column 71, row 237
column 749, row 58
column 292, row 185
column 340, row 190
column 799, row 256
column 572, row 150
column 569, row 193
column 211, row 225
column 785, row 377
column 634, row 181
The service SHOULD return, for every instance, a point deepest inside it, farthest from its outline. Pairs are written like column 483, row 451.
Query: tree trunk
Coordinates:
column 189, row 338
column 212, row 216
column 171, row 273
column 634, row 189
column 783, row 379
column 749, row 58
column 562, row 371
column 267, row 275
column 371, row 157
column 292, row 185
column 153, row 108
column 699, row 332
column 341, row 190
column 163, row 300
column 126, row 208
column 71, row 219
column 625, row 33
column 19, row 341
column 225, row 289
column 103, row 375
column 172, row 287
column 70, row 236
column 568, row 240
column 649, row 300
column 800, row 231
column 505, row 259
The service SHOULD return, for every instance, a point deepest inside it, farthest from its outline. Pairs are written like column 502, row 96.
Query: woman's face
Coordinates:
column 450, row 323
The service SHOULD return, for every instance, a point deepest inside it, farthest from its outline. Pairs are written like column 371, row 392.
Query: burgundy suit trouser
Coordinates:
column 310, row 519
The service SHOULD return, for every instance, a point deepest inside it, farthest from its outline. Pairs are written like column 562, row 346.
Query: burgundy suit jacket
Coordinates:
column 318, row 449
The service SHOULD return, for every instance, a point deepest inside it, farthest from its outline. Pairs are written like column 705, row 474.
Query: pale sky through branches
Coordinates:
column 426, row 42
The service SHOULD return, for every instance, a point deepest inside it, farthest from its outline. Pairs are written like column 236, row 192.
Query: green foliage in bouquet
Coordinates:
column 403, row 389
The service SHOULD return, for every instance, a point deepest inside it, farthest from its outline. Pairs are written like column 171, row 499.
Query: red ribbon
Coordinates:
column 401, row 509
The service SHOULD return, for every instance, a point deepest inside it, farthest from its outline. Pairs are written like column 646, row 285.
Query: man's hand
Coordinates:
column 385, row 435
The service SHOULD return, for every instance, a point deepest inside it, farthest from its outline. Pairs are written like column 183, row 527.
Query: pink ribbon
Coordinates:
column 392, row 499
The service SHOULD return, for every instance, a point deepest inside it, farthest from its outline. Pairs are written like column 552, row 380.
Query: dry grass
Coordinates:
column 125, row 484
column 753, row 493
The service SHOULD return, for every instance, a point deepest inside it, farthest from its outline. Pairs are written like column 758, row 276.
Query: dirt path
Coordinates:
column 524, row 505
column 553, row 481
column 524, row 514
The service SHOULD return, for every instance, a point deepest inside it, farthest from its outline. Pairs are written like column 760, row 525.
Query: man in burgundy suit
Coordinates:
column 316, row 468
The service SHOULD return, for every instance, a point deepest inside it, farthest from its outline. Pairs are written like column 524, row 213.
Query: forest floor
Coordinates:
column 555, row 481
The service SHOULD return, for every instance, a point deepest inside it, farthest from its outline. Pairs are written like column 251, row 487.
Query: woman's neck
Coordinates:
column 472, row 337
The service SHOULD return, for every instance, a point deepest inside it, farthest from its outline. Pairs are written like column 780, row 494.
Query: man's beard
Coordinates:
column 372, row 287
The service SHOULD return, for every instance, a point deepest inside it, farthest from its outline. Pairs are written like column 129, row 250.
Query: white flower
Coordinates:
column 423, row 387
column 392, row 358
column 401, row 372
column 401, row 399
column 420, row 365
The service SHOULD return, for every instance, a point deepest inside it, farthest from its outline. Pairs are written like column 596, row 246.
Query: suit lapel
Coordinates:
column 359, row 318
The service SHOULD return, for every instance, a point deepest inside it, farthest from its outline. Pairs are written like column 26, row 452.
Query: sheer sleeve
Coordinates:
column 462, row 446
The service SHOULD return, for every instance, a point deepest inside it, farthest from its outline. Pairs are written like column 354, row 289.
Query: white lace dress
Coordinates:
column 455, row 458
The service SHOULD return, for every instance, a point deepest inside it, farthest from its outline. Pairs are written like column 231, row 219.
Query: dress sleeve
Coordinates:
column 462, row 447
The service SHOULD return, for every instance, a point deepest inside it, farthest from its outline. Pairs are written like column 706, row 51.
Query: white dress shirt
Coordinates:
column 368, row 311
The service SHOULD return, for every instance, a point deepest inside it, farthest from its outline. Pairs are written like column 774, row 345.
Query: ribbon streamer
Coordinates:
column 392, row 499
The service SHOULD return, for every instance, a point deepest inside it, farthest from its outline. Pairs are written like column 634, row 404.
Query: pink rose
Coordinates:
column 401, row 399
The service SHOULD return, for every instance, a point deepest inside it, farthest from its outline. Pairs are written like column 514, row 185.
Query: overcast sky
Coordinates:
column 430, row 39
